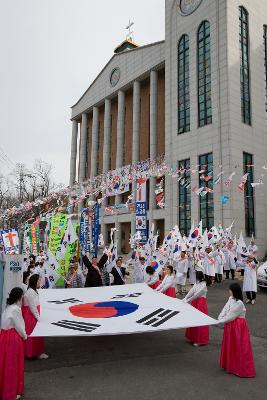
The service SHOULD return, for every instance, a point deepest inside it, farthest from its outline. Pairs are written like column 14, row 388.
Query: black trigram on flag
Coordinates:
column 121, row 296
column 157, row 317
column 66, row 301
column 76, row 325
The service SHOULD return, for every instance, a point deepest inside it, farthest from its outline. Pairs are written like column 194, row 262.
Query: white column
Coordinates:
column 119, row 154
column 107, row 127
column 120, row 128
column 106, row 156
column 153, row 137
column 94, row 141
column 135, row 138
column 83, row 148
column 73, row 154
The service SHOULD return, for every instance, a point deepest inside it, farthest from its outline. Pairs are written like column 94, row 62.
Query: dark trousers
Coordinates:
column 232, row 274
column 242, row 272
column 218, row 278
column 251, row 295
column 208, row 280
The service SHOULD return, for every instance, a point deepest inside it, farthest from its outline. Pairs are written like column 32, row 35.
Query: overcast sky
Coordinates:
column 50, row 51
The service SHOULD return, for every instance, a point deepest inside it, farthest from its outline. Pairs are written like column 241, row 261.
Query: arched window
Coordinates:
column 244, row 66
column 204, row 75
column 183, row 85
column 265, row 66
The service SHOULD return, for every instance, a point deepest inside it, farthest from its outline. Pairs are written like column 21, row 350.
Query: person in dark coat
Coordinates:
column 119, row 273
column 93, row 277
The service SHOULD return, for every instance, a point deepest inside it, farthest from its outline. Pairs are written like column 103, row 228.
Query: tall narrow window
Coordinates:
column 183, row 85
column 206, row 203
column 249, row 195
column 265, row 67
column 204, row 75
column 184, row 196
column 244, row 66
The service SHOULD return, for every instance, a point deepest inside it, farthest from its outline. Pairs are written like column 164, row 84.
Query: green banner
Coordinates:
column 58, row 227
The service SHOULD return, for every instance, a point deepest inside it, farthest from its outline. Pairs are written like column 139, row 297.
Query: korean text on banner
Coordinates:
column 141, row 209
column 58, row 227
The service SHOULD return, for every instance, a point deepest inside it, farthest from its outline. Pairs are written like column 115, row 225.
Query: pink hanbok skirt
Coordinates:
column 236, row 353
column 154, row 285
column 170, row 292
column 33, row 346
column 11, row 364
column 199, row 334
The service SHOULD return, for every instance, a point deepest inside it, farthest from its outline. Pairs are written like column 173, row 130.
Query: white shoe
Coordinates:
column 18, row 397
column 195, row 344
column 43, row 356
column 253, row 302
column 248, row 301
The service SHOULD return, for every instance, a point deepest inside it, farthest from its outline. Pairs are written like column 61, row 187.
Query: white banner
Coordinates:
column 113, row 310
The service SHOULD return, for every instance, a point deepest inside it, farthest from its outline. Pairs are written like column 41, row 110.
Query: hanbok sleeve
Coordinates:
column 19, row 323
column 224, row 310
column 196, row 292
column 32, row 305
column 189, row 295
column 166, row 284
column 159, row 288
column 233, row 313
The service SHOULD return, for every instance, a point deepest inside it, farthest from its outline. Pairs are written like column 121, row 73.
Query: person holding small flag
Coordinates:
column 181, row 272
column 93, row 277
column 250, row 279
column 167, row 285
column 152, row 277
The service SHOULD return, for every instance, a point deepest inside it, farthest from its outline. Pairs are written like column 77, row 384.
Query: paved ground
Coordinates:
column 149, row 366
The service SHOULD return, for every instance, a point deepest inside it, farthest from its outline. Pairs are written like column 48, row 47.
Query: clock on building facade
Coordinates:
column 188, row 6
column 115, row 76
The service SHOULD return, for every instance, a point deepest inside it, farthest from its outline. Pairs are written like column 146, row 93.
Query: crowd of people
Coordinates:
column 195, row 269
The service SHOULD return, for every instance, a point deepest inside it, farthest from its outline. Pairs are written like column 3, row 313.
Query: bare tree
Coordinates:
column 43, row 172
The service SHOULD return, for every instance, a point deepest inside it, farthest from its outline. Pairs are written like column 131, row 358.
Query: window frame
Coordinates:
column 249, row 204
column 245, row 81
column 204, row 74
column 206, row 203
column 185, row 213
column 183, row 89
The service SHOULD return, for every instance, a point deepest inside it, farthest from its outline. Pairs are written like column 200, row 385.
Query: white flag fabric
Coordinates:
column 113, row 310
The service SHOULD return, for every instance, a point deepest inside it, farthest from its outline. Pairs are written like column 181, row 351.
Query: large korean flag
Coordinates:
column 113, row 310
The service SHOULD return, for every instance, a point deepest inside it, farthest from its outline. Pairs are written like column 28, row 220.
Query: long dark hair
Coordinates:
column 26, row 275
column 200, row 276
column 237, row 291
column 150, row 270
column 14, row 296
column 33, row 282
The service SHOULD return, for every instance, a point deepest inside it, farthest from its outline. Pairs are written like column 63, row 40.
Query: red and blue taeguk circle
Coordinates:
column 106, row 309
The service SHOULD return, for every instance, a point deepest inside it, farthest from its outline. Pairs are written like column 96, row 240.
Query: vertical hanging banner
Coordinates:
column 141, row 209
column 84, row 231
column 10, row 240
column 58, row 227
column 35, row 244
column 2, row 247
column 95, row 229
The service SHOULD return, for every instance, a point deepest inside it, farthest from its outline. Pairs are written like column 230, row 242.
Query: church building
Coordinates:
column 200, row 98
